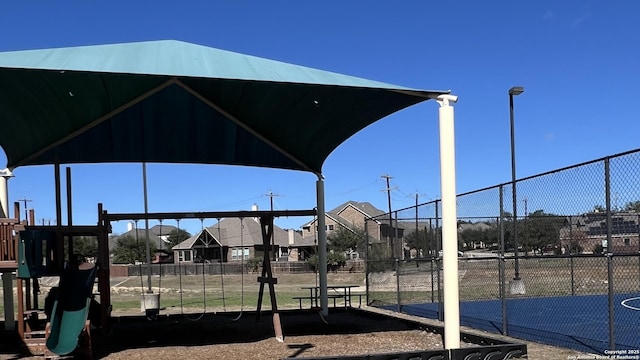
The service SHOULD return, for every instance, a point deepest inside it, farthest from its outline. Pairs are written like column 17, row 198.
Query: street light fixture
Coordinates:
column 517, row 286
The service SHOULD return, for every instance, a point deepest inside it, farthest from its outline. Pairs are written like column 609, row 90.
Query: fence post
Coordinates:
column 366, row 261
column 607, row 193
column 612, row 337
column 573, row 283
column 501, row 266
column 440, row 303
column 503, row 294
column 397, row 266
column 437, row 238
column 432, row 259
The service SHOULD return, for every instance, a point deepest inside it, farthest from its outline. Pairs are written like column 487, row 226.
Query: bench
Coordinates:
column 359, row 299
column 314, row 300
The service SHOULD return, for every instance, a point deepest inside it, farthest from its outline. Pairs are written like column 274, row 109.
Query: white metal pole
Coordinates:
column 7, row 277
column 4, row 192
column 322, row 247
column 146, row 227
column 449, row 222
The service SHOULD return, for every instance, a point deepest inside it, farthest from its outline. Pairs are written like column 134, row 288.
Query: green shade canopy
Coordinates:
column 176, row 102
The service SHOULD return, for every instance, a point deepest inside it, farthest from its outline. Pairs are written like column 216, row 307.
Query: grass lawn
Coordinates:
column 195, row 293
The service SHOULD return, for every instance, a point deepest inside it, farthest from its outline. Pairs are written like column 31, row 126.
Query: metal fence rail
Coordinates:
column 575, row 245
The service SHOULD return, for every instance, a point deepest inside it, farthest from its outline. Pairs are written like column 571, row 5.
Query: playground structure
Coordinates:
column 37, row 251
column 33, row 252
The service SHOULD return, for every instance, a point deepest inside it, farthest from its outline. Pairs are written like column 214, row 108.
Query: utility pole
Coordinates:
column 26, row 211
column 390, row 235
column 526, row 235
column 271, row 195
column 417, row 231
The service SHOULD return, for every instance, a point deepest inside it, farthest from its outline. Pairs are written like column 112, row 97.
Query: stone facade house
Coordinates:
column 590, row 231
column 352, row 215
column 235, row 239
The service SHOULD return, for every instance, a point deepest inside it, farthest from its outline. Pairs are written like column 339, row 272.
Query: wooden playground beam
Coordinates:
column 75, row 230
column 206, row 215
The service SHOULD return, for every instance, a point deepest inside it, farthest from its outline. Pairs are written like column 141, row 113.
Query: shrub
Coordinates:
column 335, row 261
column 254, row 264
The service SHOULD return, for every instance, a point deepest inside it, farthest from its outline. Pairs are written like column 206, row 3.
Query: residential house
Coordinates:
column 158, row 236
column 352, row 215
column 589, row 231
column 235, row 239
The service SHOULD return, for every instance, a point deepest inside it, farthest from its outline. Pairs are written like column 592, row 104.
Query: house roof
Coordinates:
column 205, row 235
column 155, row 234
column 365, row 208
column 475, row 226
column 621, row 223
column 162, row 230
column 410, row 226
column 141, row 235
column 228, row 233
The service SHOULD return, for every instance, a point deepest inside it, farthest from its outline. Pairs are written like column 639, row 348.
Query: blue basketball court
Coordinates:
column 576, row 322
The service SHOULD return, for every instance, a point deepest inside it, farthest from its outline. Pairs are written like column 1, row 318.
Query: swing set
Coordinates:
column 266, row 279
column 207, row 242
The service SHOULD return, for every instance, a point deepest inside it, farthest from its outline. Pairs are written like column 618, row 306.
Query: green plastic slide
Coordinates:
column 71, row 309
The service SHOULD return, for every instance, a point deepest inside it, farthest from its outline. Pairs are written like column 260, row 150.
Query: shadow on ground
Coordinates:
column 178, row 330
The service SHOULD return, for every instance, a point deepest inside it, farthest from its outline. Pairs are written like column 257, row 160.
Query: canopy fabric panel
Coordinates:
column 175, row 102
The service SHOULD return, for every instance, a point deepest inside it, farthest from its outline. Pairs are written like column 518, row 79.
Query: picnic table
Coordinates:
column 333, row 292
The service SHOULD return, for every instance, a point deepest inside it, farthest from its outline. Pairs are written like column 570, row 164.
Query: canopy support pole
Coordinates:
column 322, row 247
column 146, row 227
column 5, row 175
column 449, row 222
column 7, row 277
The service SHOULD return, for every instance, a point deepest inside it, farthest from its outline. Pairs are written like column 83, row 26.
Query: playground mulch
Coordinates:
column 221, row 336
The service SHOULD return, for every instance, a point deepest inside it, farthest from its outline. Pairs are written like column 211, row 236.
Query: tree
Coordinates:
column 471, row 236
column 598, row 249
column 633, row 206
column 128, row 250
column 85, row 247
column 423, row 241
column 341, row 241
column 344, row 239
column 539, row 229
column 578, row 238
column 177, row 236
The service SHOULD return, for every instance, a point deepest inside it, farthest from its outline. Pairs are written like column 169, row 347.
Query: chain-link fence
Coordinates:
column 559, row 263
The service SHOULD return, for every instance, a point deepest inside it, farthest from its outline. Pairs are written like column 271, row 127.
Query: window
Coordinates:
column 184, row 255
column 627, row 242
column 237, row 254
column 331, row 227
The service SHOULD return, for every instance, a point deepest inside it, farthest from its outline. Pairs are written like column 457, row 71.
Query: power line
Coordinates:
column 355, row 189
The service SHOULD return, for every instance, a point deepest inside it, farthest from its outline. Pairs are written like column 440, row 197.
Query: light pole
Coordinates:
column 517, row 286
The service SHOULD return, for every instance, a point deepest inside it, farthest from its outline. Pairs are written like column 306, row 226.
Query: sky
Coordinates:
column 577, row 61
